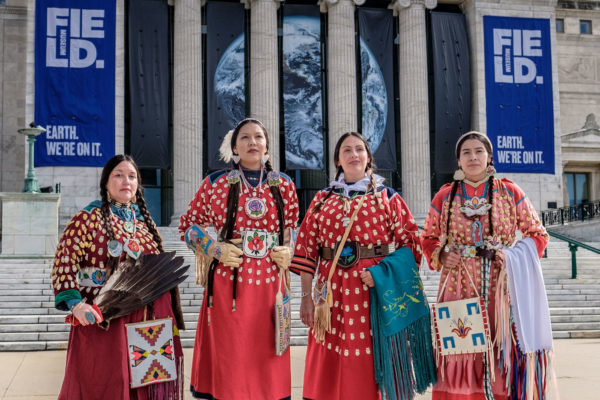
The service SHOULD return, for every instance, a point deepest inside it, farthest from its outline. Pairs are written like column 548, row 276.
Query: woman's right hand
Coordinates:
column 450, row 258
column 81, row 309
column 307, row 311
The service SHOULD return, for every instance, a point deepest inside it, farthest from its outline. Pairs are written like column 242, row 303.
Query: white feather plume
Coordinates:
column 225, row 151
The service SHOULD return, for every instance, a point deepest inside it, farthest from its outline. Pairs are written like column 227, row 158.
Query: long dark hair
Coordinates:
column 107, row 219
column 234, row 190
column 370, row 167
column 488, row 147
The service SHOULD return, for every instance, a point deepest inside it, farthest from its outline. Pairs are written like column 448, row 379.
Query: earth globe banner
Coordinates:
column 148, row 61
column 75, row 82
column 451, row 71
column 518, row 92
column 302, row 87
column 376, row 30
column 225, row 81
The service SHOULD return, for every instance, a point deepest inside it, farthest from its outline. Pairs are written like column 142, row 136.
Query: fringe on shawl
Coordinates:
column 403, row 362
column 528, row 374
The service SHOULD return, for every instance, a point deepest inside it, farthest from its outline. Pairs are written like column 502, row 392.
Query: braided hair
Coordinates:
column 488, row 147
column 107, row 218
column 234, row 189
column 370, row 168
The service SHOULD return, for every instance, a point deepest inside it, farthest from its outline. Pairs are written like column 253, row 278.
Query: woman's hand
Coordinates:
column 85, row 313
column 281, row 256
column 367, row 278
column 307, row 311
column 450, row 258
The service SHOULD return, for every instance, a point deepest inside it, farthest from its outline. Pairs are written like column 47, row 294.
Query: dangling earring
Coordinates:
column 108, row 198
column 490, row 170
column 264, row 159
column 134, row 199
column 459, row 175
column 235, row 158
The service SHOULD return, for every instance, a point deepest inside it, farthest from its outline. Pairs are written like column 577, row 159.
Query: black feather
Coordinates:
column 137, row 283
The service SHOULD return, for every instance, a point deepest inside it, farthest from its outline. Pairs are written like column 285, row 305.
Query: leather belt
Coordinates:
column 365, row 252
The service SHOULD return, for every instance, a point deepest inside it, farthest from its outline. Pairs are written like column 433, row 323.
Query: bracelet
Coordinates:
column 304, row 294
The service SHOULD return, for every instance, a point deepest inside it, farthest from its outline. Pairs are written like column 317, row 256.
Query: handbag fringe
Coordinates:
column 403, row 362
column 322, row 322
column 172, row 390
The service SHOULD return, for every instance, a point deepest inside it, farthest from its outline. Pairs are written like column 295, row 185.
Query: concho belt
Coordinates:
column 352, row 252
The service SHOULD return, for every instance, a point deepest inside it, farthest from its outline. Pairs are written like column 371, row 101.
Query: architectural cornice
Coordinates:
column 13, row 10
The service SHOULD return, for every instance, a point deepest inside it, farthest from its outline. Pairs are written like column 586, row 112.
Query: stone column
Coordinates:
column 341, row 71
column 264, row 70
column 187, row 110
column 414, row 105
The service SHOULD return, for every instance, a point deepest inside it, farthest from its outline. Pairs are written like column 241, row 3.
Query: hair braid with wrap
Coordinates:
column 150, row 225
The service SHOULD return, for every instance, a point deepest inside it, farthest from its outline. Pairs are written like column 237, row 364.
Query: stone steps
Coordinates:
column 28, row 320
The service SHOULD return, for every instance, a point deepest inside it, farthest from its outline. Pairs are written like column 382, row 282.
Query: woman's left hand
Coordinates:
column 367, row 278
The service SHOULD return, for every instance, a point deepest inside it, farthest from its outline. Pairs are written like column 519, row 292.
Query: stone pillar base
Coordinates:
column 29, row 224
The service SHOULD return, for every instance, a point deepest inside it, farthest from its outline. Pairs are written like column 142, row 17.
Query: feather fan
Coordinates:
column 137, row 283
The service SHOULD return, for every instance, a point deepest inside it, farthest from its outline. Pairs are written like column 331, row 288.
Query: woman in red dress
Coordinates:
column 93, row 243
column 234, row 352
column 339, row 361
column 474, row 218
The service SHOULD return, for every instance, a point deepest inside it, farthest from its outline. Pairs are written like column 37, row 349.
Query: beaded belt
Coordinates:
column 353, row 252
column 470, row 251
column 257, row 243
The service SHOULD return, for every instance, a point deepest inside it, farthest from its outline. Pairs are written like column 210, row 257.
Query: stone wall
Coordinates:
column 578, row 65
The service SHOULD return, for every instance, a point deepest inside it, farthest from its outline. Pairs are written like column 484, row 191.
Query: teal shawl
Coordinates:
column 402, row 349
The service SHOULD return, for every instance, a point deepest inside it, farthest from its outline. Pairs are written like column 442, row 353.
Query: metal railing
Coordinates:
column 574, row 245
column 564, row 215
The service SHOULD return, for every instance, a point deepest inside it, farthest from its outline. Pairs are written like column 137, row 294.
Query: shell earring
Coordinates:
column 235, row 158
column 459, row 175
column 264, row 159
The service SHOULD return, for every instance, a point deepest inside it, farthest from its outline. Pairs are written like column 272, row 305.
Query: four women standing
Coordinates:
column 250, row 207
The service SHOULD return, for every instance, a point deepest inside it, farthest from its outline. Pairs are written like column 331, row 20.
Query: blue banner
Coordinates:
column 75, row 82
column 519, row 101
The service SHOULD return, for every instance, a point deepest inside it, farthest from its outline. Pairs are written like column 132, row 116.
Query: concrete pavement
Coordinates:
column 38, row 375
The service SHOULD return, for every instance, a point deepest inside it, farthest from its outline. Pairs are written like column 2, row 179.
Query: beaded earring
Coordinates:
column 459, row 175
column 235, row 158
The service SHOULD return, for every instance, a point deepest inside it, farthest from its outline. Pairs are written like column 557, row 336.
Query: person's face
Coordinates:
column 250, row 145
column 473, row 159
column 353, row 158
column 122, row 182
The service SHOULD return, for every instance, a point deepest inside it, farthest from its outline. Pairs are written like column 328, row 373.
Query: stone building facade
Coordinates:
column 576, row 91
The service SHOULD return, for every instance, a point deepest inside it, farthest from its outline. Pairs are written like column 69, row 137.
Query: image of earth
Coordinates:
column 374, row 98
column 302, row 91
column 302, row 109
column 229, row 82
